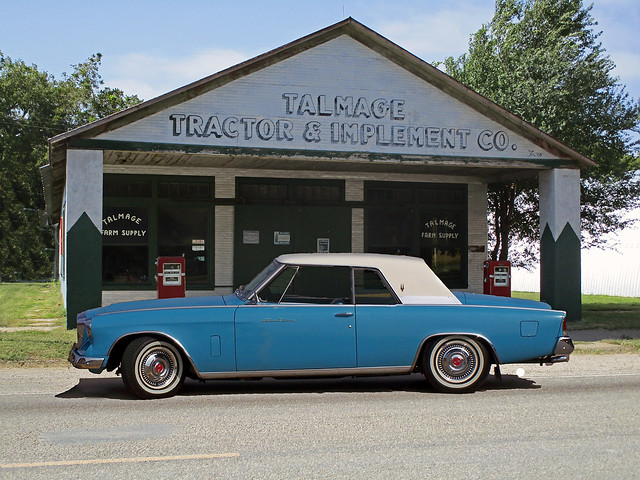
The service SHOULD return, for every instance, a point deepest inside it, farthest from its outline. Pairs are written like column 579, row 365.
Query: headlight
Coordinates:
column 84, row 325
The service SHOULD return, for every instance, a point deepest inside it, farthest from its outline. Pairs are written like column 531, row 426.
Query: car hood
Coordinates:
column 208, row 301
column 492, row 300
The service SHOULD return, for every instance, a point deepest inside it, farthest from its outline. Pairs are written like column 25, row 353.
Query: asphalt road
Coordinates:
column 576, row 420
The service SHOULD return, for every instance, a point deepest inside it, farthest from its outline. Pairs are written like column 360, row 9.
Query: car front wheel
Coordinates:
column 152, row 368
column 456, row 364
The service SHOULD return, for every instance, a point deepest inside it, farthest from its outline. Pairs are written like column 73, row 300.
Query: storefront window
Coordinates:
column 423, row 220
column 442, row 243
column 183, row 232
column 125, row 244
column 150, row 216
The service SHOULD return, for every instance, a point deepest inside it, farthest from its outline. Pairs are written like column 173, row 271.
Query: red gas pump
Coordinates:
column 497, row 278
column 171, row 277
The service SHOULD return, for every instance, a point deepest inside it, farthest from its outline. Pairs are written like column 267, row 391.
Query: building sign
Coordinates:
column 251, row 237
column 439, row 230
column 340, row 96
column 346, row 120
column 281, row 238
column 125, row 225
column 323, row 245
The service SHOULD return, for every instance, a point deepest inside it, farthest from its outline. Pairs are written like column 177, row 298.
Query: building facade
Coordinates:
column 338, row 142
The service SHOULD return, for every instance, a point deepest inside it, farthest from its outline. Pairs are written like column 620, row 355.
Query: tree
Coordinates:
column 541, row 60
column 34, row 106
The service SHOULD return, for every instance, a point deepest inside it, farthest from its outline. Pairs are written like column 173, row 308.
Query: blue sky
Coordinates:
column 151, row 47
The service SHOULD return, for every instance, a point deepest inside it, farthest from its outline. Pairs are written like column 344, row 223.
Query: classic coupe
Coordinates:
column 326, row 314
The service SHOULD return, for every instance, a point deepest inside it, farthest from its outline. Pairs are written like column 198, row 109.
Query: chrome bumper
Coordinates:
column 564, row 347
column 81, row 361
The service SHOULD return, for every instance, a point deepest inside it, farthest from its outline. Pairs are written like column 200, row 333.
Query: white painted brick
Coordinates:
column 341, row 67
column 223, row 260
column 354, row 190
column 357, row 230
column 477, row 234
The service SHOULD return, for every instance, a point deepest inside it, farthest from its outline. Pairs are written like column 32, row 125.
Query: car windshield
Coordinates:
column 246, row 291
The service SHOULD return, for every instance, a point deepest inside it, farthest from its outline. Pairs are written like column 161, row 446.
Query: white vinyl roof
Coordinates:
column 410, row 277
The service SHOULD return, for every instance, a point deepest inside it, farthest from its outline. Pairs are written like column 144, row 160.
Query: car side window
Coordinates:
column 371, row 289
column 274, row 290
column 310, row 284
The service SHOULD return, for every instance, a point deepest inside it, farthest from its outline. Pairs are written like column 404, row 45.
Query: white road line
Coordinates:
column 99, row 461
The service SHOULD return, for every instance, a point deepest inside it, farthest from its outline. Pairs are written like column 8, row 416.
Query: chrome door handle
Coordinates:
column 344, row 314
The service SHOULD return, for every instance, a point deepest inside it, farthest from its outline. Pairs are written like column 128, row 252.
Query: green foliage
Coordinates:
column 541, row 60
column 34, row 106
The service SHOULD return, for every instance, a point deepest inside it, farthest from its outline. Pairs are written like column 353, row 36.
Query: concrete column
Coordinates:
column 83, row 232
column 560, row 240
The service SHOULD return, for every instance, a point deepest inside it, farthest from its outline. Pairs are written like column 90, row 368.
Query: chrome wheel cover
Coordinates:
column 457, row 362
column 158, row 367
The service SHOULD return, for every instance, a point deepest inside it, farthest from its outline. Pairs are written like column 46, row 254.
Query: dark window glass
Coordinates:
column 289, row 192
column 183, row 190
column 316, row 193
column 273, row 292
column 184, row 232
column 125, row 264
column 125, row 225
column 453, row 195
column 389, row 230
column 318, row 285
column 388, row 195
column 125, row 245
column 266, row 193
column 370, row 289
column 442, row 241
column 424, row 220
column 121, row 186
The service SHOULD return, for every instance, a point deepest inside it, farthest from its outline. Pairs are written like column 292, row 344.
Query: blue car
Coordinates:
column 325, row 314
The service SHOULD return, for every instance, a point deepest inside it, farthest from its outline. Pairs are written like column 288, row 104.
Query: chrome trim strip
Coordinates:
column 80, row 361
column 153, row 309
column 310, row 372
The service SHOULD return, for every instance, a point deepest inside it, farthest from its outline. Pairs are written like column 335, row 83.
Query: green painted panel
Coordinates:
column 84, row 268
column 560, row 274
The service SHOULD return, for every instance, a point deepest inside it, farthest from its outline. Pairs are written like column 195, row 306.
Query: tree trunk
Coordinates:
column 505, row 196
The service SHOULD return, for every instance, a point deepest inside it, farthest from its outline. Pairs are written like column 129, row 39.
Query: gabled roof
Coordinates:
column 54, row 172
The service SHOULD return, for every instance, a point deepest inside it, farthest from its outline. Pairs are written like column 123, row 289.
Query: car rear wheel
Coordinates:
column 152, row 368
column 456, row 364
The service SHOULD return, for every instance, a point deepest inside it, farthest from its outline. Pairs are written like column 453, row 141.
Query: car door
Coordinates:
column 303, row 319
column 389, row 333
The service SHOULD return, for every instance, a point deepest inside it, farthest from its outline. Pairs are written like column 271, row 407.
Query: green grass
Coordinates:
column 20, row 304
column 35, row 348
column 602, row 311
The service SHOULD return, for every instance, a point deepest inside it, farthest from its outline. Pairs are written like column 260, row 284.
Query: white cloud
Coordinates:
column 435, row 35
column 148, row 76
